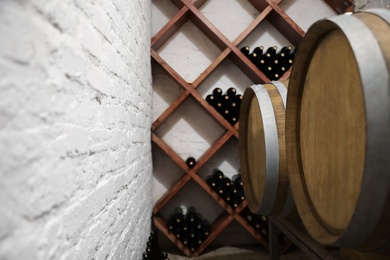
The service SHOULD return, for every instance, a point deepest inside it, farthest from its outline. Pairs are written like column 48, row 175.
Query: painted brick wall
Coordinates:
column 75, row 115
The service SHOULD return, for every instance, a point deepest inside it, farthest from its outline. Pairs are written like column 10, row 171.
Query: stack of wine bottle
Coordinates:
column 152, row 251
column 228, row 104
column 230, row 190
column 258, row 222
column 271, row 62
column 189, row 227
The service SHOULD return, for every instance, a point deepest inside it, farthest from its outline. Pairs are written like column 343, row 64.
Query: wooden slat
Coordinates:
column 252, row 26
column 281, row 21
column 212, row 150
column 172, row 108
column 216, row 228
column 169, row 29
column 176, row 103
column 174, row 75
column 211, row 68
column 207, row 27
column 222, row 42
column 169, row 151
column 160, row 223
column 284, row 24
column 252, row 231
column 171, row 192
column 286, row 245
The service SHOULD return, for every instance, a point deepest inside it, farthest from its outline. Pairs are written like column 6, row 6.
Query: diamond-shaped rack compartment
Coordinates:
column 189, row 11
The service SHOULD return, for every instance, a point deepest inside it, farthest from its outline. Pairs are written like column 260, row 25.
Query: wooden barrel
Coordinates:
column 338, row 130
column 262, row 149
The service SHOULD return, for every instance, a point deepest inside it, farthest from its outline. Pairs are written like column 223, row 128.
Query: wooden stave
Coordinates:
column 279, row 199
column 352, row 237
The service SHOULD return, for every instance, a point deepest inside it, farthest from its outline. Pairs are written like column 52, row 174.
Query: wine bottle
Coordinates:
column 226, row 182
column 258, row 50
column 245, row 50
column 178, row 219
column 191, row 215
column 185, row 237
column 211, row 99
column 238, row 99
column 272, row 50
column 262, row 63
column 231, row 92
column 285, row 50
column 234, row 202
column 240, row 195
column 237, row 180
column 211, row 181
column 256, row 223
column 190, row 162
column 219, row 187
column 233, row 120
column 164, row 256
column 205, row 230
column 219, row 106
column 225, row 112
column 281, row 70
column 248, row 217
column 218, row 174
column 217, row 92
column 145, row 256
column 253, row 57
column 192, row 245
column 156, row 251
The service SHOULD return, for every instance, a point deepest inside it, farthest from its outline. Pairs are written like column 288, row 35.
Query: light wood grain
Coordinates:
column 338, row 167
column 253, row 151
column 333, row 133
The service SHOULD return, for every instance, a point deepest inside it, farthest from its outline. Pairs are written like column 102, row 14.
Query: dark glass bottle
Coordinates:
column 145, row 256
column 205, row 230
column 284, row 51
column 248, row 216
column 192, row 245
column 164, row 256
column 231, row 92
column 258, row 50
column 211, row 181
column 272, row 50
column 219, row 106
column 191, row 216
column 253, row 57
column 211, row 99
column 218, row 174
column 245, row 50
column 238, row 100
column 191, row 162
column 237, row 180
column 234, row 202
column 217, row 92
column 233, row 119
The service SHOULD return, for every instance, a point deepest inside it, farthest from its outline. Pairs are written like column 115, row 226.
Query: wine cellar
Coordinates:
column 237, row 55
column 195, row 129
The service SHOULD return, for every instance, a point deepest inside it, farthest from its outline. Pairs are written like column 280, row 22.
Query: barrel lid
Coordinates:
column 339, row 87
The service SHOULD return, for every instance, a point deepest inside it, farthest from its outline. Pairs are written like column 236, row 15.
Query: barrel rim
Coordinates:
column 266, row 106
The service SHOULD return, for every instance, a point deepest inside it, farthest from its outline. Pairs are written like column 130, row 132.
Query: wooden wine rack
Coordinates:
column 188, row 10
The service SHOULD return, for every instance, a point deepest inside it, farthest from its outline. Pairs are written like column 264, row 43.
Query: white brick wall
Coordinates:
column 75, row 115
